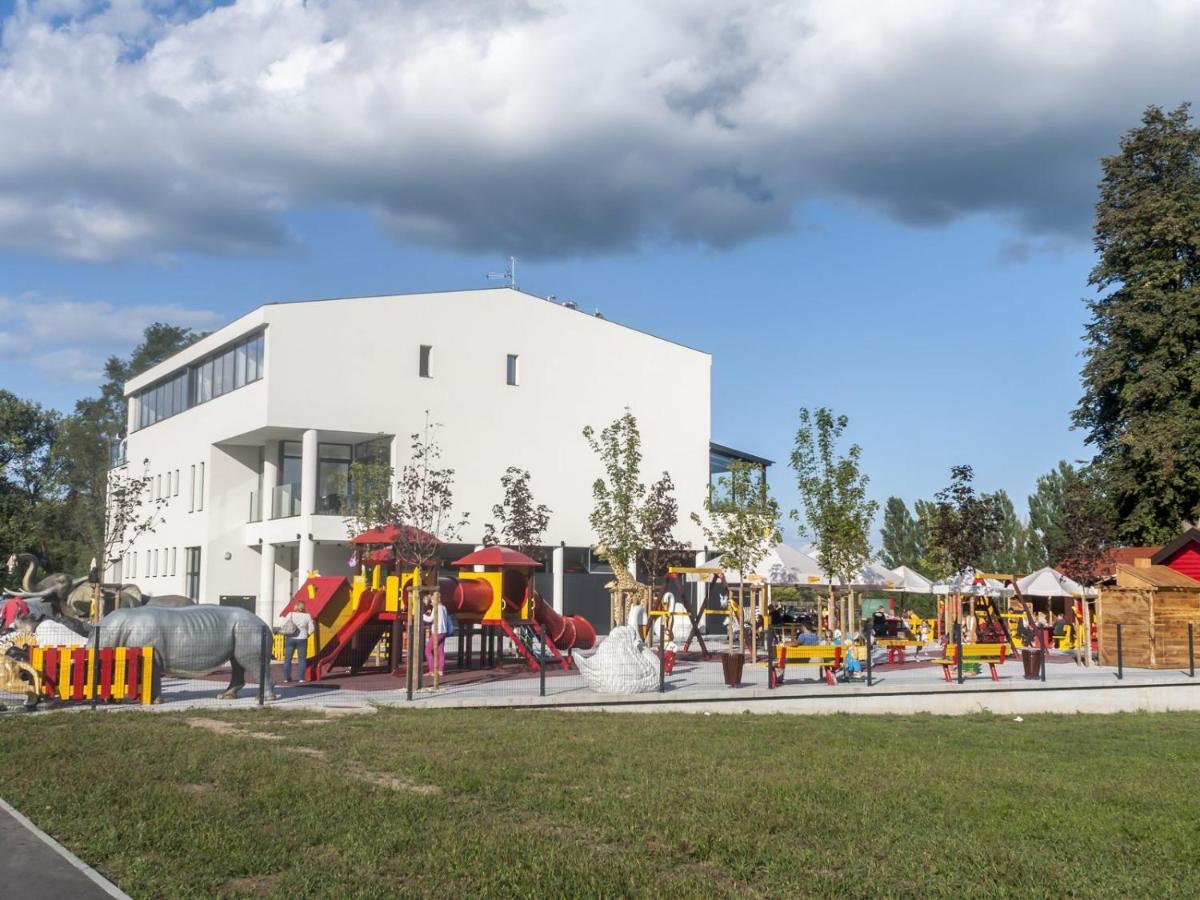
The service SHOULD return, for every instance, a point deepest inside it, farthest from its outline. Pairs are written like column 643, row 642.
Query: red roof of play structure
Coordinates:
column 1182, row 554
column 324, row 589
column 497, row 556
column 390, row 534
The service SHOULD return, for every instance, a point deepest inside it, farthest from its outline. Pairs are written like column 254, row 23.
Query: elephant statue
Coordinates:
column 195, row 640
column 53, row 589
column 169, row 601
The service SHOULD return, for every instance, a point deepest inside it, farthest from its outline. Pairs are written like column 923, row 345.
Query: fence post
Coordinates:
column 95, row 664
column 1191, row 651
column 1043, row 666
column 410, row 641
column 264, row 666
column 1120, row 657
column 958, row 647
column 869, row 628
column 770, row 652
column 542, row 663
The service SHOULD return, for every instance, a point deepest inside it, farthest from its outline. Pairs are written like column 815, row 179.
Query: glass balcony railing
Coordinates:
column 255, row 514
column 285, row 501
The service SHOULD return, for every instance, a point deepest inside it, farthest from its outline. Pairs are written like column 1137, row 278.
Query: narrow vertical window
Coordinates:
column 133, row 564
column 176, row 494
column 513, row 370
column 173, row 551
column 192, row 492
column 200, row 489
column 157, row 486
column 426, row 352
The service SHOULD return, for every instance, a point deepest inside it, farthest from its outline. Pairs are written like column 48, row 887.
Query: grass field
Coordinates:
column 525, row 803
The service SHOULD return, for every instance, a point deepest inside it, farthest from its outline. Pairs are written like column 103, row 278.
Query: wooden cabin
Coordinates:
column 1154, row 605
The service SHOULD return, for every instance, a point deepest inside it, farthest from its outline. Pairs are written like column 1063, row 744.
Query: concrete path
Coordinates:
column 34, row 866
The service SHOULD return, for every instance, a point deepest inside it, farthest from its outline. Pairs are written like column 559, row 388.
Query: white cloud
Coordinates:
column 68, row 341
column 552, row 127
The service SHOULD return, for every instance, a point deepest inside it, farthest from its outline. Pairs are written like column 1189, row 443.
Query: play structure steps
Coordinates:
column 527, row 640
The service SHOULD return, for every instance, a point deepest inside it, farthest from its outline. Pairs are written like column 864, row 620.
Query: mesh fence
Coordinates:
column 233, row 659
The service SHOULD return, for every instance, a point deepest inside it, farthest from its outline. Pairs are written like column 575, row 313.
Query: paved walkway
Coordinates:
column 33, row 866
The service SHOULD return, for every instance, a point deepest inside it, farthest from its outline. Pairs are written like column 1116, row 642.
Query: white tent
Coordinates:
column 912, row 581
column 1048, row 582
column 782, row 565
column 877, row 575
column 967, row 582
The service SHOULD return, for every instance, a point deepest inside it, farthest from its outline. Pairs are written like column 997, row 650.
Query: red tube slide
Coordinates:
column 565, row 632
column 472, row 597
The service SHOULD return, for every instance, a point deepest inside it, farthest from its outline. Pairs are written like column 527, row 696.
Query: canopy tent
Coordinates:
column 1048, row 582
column 876, row 575
column 783, row 565
column 968, row 582
column 912, row 581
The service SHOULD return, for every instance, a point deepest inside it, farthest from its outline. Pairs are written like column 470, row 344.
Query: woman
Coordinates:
column 445, row 627
column 296, row 628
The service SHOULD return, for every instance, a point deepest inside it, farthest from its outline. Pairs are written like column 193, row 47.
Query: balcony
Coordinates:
column 285, row 501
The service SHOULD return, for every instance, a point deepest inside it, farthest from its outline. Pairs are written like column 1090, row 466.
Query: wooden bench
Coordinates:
column 992, row 654
column 827, row 657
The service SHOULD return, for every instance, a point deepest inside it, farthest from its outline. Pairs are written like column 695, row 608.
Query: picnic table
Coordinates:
column 896, row 648
column 992, row 654
column 827, row 658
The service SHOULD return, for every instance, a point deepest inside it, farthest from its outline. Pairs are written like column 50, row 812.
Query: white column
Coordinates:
column 308, row 473
column 270, row 478
column 308, row 499
column 265, row 605
column 556, row 561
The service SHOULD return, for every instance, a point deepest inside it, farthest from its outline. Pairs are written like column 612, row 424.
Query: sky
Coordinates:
column 881, row 208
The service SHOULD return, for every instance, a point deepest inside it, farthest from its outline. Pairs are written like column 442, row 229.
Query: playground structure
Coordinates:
column 378, row 611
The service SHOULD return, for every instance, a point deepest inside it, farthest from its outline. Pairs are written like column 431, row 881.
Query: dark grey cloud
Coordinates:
column 555, row 129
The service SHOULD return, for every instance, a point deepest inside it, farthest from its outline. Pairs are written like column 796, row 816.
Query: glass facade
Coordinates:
column 220, row 373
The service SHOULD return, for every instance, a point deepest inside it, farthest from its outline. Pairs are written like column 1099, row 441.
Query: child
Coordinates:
column 851, row 667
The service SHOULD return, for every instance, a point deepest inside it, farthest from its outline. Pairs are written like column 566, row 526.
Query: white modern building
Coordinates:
column 249, row 432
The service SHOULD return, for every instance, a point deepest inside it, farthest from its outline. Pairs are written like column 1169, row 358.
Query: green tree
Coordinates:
column 1007, row 553
column 902, row 538
column 30, row 477
column 1046, row 512
column 1141, row 376
column 1086, row 528
column 967, row 525
column 935, row 563
column 618, row 495
column 741, row 520
column 520, row 522
column 833, row 491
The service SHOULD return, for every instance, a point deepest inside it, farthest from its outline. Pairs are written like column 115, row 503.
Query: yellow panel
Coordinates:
column 391, row 601
column 118, row 682
column 90, row 674
column 147, row 674
column 64, row 672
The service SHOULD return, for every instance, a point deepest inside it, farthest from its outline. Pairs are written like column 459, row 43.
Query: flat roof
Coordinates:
column 211, row 342
column 739, row 454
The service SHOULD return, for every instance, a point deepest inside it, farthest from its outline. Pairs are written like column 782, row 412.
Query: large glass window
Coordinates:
column 191, row 573
column 285, row 497
column 333, row 478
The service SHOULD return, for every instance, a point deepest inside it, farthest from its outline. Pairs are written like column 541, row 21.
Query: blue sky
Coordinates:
column 882, row 208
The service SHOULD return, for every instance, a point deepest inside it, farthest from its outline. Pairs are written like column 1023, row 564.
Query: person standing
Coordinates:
column 296, row 628
column 445, row 627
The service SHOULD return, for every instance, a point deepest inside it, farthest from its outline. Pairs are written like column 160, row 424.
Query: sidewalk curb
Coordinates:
column 92, row 875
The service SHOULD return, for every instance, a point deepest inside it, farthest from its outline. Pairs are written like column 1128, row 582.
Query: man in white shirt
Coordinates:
column 296, row 628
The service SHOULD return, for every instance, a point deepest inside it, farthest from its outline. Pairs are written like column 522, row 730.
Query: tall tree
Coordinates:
column 1086, row 528
column 30, row 477
column 1007, row 553
column 934, row 562
column 520, row 522
column 618, row 495
column 902, row 539
column 1141, row 377
column 1046, row 509
column 967, row 525
column 659, row 516
column 833, row 490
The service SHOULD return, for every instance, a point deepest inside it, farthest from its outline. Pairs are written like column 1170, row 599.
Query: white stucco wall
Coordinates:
column 351, row 366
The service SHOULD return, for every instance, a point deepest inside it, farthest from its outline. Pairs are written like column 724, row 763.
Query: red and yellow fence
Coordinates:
column 68, row 673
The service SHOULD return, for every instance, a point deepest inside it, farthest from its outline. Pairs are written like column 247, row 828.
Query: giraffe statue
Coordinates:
column 624, row 591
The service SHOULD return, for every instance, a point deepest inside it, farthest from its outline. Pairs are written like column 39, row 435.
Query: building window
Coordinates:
column 153, row 568
column 200, row 489
column 173, row 550
column 333, row 478
column 176, row 494
column 598, row 563
column 513, row 370
column 191, row 574
column 133, row 564
column 158, row 487
column 424, row 367
column 220, row 373
column 164, row 562
column 285, row 500
column 192, row 492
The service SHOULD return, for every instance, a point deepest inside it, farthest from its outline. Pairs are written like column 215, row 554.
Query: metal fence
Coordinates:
column 483, row 666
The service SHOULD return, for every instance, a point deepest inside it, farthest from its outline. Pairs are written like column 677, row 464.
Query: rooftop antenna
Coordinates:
column 509, row 275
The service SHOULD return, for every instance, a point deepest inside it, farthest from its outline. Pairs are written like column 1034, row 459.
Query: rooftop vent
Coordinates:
column 570, row 304
column 598, row 314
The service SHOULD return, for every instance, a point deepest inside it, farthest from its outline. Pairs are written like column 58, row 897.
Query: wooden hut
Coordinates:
column 1154, row 605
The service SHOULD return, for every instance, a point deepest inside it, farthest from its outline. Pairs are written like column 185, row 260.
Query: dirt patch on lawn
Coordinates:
column 198, row 789
column 391, row 782
column 217, row 726
column 248, row 885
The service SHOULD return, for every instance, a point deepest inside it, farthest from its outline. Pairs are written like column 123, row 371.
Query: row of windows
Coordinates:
column 166, row 485
column 512, row 365
column 218, row 374
column 161, row 563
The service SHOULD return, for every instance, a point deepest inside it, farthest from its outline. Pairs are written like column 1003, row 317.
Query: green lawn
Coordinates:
column 529, row 803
